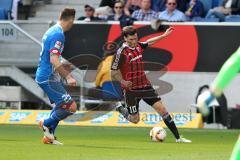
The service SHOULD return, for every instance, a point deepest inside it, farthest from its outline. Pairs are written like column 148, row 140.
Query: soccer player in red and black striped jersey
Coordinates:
column 127, row 68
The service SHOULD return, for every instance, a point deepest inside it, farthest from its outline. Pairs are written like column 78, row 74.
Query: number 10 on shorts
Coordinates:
column 132, row 109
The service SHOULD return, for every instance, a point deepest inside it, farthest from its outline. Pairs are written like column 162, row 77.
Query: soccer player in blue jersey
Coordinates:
column 50, row 73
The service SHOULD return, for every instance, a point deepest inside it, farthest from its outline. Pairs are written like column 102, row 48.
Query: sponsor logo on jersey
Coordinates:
column 138, row 49
column 136, row 58
column 58, row 44
column 54, row 51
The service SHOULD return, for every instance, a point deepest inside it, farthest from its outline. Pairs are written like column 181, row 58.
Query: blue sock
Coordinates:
column 61, row 113
column 54, row 126
column 56, row 115
column 51, row 122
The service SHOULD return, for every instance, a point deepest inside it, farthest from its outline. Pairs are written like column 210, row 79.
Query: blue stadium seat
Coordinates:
column 7, row 6
column 232, row 19
column 2, row 14
column 199, row 19
column 216, row 3
column 207, row 5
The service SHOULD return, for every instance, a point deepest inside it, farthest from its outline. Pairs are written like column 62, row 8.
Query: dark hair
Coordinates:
column 67, row 13
column 90, row 7
column 128, row 30
column 118, row 1
column 175, row 1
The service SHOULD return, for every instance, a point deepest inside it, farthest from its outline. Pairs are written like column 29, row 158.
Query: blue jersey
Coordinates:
column 52, row 43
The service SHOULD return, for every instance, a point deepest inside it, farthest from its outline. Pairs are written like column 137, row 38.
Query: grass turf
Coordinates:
column 20, row 142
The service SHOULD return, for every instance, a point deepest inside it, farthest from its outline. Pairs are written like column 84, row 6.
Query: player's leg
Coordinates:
column 236, row 151
column 130, row 112
column 133, row 117
column 228, row 71
column 161, row 109
column 154, row 100
column 122, row 110
column 48, row 134
column 54, row 126
column 65, row 106
column 58, row 114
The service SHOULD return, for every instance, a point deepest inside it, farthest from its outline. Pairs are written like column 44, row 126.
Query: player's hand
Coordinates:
column 168, row 31
column 127, row 84
column 68, row 67
column 71, row 81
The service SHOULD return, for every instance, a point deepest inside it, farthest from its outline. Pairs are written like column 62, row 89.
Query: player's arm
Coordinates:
column 115, row 70
column 55, row 53
column 117, row 75
column 59, row 67
column 153, row 40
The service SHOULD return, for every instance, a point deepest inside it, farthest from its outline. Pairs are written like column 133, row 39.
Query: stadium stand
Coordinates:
column 233, row 19
column 51, row 11
column 5, row 9
column 199, row 19
column 207, row 5
column 35, row 27
column 22, row 52
column 216, row 3
column 2, row 14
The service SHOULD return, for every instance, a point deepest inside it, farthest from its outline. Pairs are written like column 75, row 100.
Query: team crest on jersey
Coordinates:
column 54, row 51
column 138, row 49
column 58, row 44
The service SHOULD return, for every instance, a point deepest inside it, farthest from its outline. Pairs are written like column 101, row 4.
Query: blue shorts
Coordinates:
column 56, row 92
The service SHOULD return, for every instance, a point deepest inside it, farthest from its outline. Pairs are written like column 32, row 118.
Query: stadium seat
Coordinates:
column 2, row 14
column 233, row 19
column 7, row 6
column 207, row 5
column 199, row 19
column 216, row 3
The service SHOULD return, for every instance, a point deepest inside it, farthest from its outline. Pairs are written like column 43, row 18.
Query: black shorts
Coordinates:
column 132, row 98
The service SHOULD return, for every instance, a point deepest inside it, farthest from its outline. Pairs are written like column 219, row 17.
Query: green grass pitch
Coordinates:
column 20, row 142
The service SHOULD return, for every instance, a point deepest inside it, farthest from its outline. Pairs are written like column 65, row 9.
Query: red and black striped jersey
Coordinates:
column 130, row 62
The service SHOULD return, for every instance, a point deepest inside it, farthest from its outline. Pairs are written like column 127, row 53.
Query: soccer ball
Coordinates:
column 158, row 134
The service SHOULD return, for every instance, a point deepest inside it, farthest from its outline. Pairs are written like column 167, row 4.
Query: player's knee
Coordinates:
column 135, row 119
column 73, row 107
column 160, row 108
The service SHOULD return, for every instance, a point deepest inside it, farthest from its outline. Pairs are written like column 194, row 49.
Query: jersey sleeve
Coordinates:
column 118, row 59
column 56, row 44
column 144, row 45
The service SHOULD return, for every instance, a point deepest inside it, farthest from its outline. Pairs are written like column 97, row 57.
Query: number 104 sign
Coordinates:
column 7, row 32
